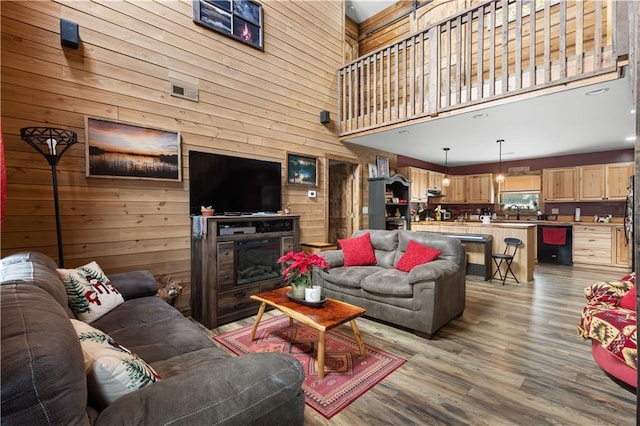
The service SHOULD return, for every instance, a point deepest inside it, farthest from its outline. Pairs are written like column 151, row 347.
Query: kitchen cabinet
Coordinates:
column 455, row 193
column 559, row 184
column 617, row 180
column 434, row 180
column 419, row 182
column 592, row 183
column 601, row 246
column 623, row 248
column 389, row 206
column 479, row 189
column 521, row 183
column 600, row 182
column 592, row 245
column 469, row 189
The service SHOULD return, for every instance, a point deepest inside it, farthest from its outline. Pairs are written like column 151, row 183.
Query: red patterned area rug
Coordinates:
column 347, row 374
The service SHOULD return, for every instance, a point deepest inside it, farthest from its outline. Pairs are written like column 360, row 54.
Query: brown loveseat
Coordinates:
column 424, row 299
column 43, row 376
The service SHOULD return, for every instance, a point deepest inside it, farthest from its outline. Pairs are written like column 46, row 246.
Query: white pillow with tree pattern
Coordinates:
column 112, row 370
column 90, row 293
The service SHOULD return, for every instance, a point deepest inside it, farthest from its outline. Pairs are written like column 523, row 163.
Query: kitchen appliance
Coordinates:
column 551, row 249
column 486, row 219
column 446, row 215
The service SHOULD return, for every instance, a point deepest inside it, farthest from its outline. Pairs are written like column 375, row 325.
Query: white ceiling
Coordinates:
column 564, row 123
column 359, row 10
column 569, row 122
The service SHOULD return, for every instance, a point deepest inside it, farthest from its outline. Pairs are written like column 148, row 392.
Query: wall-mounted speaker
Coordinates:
column 69, row 34
column 325, row 117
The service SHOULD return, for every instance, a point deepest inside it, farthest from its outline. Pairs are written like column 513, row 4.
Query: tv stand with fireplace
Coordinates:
column 237, row 259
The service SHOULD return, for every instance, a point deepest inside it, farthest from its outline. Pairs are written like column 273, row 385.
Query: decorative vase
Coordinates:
column 297, row 291
column 312, row 294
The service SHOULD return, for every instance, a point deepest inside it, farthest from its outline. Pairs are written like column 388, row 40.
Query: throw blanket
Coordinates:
column 199, row 227
column 605, row 321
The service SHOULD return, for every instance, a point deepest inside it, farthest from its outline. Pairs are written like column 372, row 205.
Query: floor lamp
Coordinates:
column 51, row 143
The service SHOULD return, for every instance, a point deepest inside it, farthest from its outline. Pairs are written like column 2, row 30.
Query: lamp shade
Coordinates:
column 500, row 177
column 51, row 142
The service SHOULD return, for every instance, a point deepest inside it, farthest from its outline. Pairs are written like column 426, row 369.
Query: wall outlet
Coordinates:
column 555, row 211
column 311, row 194
column 365, row 210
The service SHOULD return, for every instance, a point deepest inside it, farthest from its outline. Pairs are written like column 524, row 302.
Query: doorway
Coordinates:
column 344, row 199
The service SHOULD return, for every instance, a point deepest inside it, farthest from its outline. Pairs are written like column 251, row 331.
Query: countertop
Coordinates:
column 472, row 223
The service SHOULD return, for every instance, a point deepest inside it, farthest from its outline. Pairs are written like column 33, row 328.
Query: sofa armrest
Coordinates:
column 134, row 284
column 240, row 390
column 607, row 292
column 432, row 271
column 335, row 258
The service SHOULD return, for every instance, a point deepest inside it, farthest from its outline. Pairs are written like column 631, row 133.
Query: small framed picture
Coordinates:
column 382, row 163
column 238, row 19
column 373, row 171
column 302, row 170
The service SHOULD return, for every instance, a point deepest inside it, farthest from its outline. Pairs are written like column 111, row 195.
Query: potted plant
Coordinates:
column 298, row 269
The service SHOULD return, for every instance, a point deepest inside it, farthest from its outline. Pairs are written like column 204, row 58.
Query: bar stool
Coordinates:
column 510, row 250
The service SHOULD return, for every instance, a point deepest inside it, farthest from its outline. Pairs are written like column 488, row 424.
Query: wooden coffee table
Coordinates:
column 330, row 315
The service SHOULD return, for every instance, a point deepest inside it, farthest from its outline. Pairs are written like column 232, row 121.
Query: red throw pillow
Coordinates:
column 358, row 251
column 416, row 254
column 628, row 301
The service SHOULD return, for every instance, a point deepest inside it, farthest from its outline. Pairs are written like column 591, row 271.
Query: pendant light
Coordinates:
column 445, row 179
column 500, row 177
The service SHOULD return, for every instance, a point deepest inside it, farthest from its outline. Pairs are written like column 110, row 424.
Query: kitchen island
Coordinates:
column 525, row 260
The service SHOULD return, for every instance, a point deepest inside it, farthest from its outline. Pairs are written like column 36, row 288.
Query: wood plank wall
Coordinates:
column 389, row 34
column 257, row 104
column 425, row 16
column 351, row 47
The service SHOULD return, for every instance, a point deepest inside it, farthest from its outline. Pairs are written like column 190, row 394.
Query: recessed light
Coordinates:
column 633, row 111
column 597, row 91
column 480, row 116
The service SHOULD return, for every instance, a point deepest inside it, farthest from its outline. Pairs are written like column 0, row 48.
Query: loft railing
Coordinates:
column 479, row 55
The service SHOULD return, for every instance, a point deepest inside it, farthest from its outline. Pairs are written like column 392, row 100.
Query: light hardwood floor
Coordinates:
column 514, row 357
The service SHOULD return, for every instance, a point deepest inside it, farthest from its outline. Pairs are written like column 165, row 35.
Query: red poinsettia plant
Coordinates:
column 298, row 267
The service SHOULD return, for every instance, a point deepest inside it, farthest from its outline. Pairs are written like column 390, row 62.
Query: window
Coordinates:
column 523, row 200
column 520, row 192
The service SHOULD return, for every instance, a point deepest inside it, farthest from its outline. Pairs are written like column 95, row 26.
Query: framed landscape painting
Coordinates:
column 302, row 170
column 123, row 150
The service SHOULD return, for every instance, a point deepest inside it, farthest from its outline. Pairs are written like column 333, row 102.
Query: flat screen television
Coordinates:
column 233, row 185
